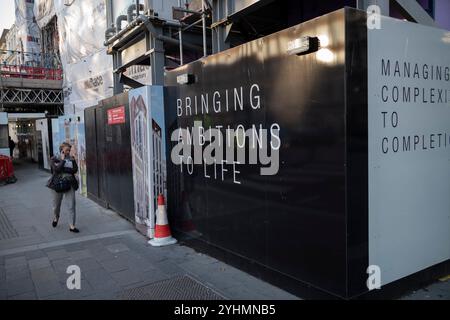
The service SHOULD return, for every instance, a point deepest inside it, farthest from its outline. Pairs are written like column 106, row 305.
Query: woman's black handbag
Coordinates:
column 74, row 182
column 59, row 183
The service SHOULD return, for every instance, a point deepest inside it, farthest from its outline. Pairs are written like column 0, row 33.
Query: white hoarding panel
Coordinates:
column 409, row 147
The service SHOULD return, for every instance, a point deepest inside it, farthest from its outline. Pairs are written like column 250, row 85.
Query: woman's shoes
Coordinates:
column 55, row 223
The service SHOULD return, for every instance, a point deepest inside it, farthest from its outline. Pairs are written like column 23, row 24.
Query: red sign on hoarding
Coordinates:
column 116, row 115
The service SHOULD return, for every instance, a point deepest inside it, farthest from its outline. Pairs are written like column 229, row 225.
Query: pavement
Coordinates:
column 115, row 260
column 439, row 290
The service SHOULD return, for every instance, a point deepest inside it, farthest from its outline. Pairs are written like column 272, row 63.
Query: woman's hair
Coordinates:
column 63, row 145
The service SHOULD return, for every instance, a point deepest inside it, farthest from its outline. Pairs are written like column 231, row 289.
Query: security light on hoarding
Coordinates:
column 303, row 45
column 185, row 78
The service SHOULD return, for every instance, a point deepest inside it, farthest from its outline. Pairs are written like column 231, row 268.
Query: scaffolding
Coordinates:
column 201, row 16
column 201, row 27
column 26, row 72
column 159, row 37
column 27, row 87
column 18, row 96
column 45, row 60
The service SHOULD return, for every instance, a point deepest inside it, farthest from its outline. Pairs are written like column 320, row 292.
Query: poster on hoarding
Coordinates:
column 81, row 152
column 42, row 128
column 148, row 153
column 55, row 136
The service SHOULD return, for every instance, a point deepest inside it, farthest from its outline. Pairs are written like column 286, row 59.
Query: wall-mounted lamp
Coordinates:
column 303, row 45
column 185, row 78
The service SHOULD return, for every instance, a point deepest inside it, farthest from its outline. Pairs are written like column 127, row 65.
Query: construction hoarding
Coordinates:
column 338, row 171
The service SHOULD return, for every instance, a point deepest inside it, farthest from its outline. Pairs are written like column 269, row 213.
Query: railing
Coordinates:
column 30, row 59
column 26, row 72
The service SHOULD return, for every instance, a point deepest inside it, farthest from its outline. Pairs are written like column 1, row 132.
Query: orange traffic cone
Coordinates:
column 163, row 236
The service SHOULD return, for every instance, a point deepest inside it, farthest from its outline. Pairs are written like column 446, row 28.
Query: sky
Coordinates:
column 7, row 14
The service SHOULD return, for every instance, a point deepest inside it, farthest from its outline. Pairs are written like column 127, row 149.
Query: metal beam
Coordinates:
column 157, row 63
column 415, row 12
column 109, row 12
column 17, row 116
column 221, row 26
column 117, row 62
column 204, row 27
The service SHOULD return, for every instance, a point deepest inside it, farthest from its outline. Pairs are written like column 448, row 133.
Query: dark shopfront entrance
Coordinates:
column 108, row 156
column 22, row 130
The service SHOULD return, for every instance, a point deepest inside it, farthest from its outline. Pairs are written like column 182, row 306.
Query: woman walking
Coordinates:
column 64, row 184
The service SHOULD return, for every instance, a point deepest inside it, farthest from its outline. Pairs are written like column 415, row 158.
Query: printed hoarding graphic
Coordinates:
column 81, row 152
column 42, row 127
column 409, row 147
column 148, row 153
column 55, row 136
column 222, row 149
column 140, row 155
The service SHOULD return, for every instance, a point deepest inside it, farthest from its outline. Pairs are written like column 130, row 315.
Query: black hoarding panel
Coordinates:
column 117, row 156
column 112, row 156
column 50, row 137
column 357, row 152
column 286, row 211
column 306, row 207
column 101, row 149
column 91, row 152
column 39, row 148
column 174, row 176
column 108, row 155
column 126, row 169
